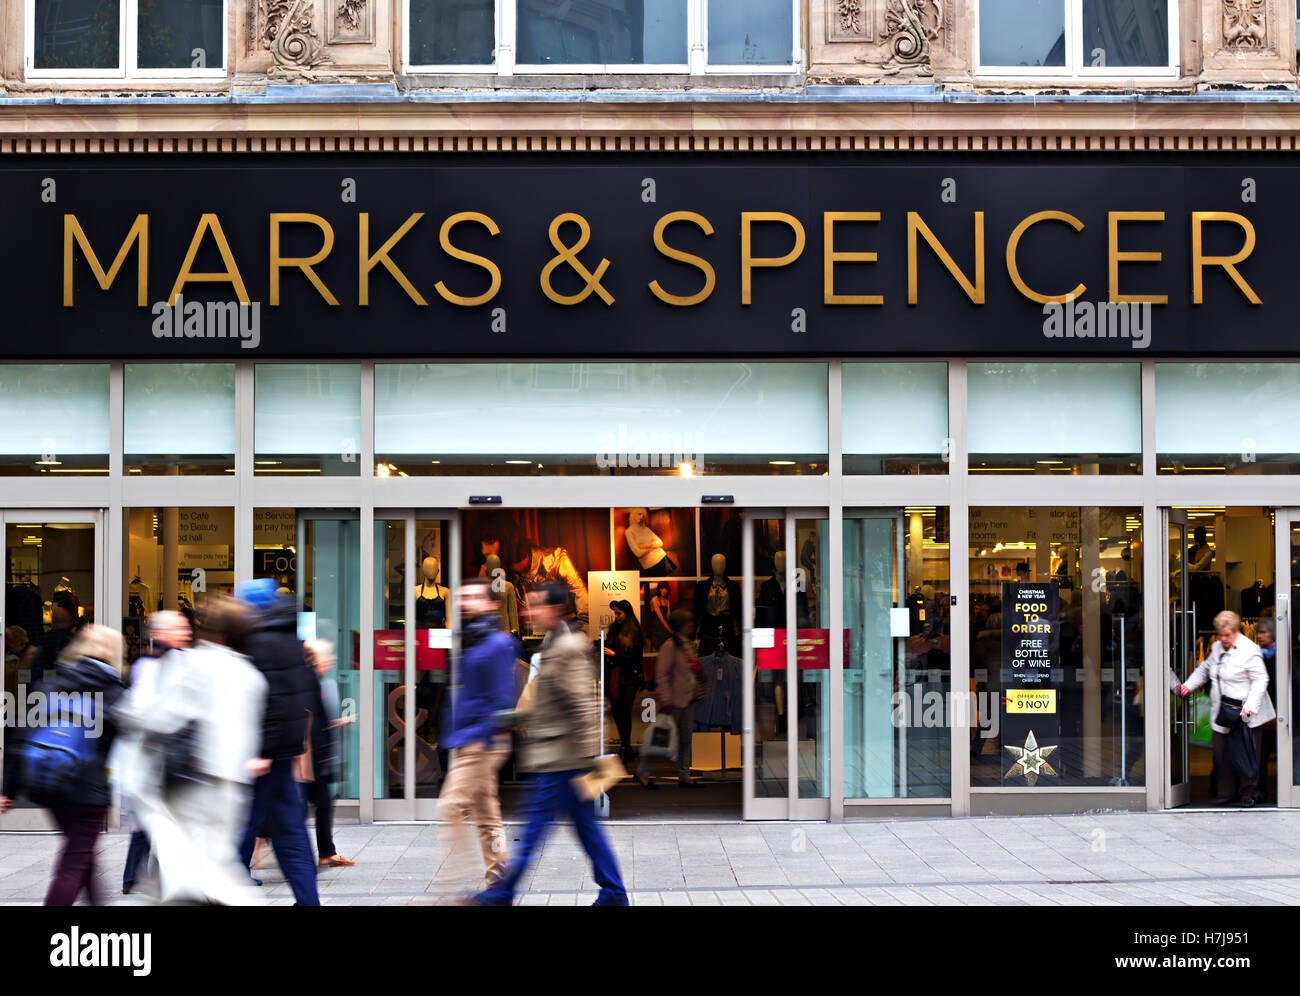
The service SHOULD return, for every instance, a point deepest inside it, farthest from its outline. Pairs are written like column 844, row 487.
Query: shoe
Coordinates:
column 623, row 903
column 689, row 785
column 126, row 889
column 646, row 783
column 254, row 881
column 336, row 861
column 1248, row 802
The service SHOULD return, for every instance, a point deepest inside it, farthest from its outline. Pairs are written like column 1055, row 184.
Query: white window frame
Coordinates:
column 696, row 64
column 1076, row 66
column 127, row 49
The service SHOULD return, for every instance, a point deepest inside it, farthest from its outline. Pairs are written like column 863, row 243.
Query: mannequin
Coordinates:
column 717, row 604
column 508, row 595
column 770, row 610
column 431, row 598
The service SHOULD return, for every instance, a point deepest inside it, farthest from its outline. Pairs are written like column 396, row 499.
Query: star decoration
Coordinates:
column 1031, row 760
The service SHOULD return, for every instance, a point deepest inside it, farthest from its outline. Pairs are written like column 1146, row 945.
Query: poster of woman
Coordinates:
column 658, row 542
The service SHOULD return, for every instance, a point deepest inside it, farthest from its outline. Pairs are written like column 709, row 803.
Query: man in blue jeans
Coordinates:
column 560, row 737
column 278, row 801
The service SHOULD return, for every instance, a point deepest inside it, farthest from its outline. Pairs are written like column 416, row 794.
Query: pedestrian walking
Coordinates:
column 325, row 751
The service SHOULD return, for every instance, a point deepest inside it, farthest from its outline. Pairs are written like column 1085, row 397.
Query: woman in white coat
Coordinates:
column 1235, row 671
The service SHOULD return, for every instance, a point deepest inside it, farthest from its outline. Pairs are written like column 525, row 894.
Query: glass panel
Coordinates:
column 751, row 33
column 452, row 32
column 54, row 419
column 322, row 568
column 1022, row 33
column 813, row 679
column 390, row 658
column 1180, row 662
column 1056, row 646
column 1259, row 433
column 179, row 418
column 772, row 576
column 1126, row 32
column 895, row 418
column 433, row 612
column 308, row 419
column 897, row 691
column 181, row 34
column 1055, row 418
column 600, row 418
column 174, row 559
column 1295, row 643
column 49, row 594
column 76, row 34
column 602, row 32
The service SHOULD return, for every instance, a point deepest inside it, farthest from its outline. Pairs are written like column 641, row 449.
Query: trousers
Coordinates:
column 471, row 791
column 278, row 806
column 75, row 868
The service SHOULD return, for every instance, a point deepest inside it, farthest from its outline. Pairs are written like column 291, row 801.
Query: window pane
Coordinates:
column 308, row 419
column 895, row 418
column 1022, row 32
column 1259, row 433
column 452, row 32
column 179, row 415
column 601, row 32
column 1125, row 32
column 1064, row 691
column 1044, row 418
column 76, row 34
column 53, row 417
column 751, row 32
column 608, row 418
column 181, row 34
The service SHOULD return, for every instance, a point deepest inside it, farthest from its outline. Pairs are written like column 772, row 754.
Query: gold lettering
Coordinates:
column 1114, row 257
column 1229, row 263
column 830, row 257
column 230, row 275
column 915, row 226
column 710, row 278
column 366, row 262
column 304, row 263
column 444, row 237
column 139, row 232
column 748, row 262
column 1013, row 243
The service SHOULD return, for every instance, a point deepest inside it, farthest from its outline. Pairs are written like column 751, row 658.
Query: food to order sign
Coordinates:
column 1031, row 649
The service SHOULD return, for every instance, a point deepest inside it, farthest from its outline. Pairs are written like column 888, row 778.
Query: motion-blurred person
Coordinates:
column 1266, row 639
column 167, row 631
column 326, row 720
column 675, row 688
column 278, row 803
column 1239, row 708
column 202, row 731
column 560, row 734
column 89, row 671
column 478, row 741
column 624, row 646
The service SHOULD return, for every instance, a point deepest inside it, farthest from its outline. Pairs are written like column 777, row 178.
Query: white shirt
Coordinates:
column 637, row 537
column 1238, row 673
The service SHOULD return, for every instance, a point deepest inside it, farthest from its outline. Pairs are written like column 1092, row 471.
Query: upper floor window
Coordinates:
column 1077, row 37
column 112, row 39
column 602, row 36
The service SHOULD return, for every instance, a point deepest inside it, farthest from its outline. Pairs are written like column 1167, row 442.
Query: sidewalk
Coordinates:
column 1102, row 859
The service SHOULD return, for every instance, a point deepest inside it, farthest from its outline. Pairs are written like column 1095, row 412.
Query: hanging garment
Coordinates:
column 723, row 708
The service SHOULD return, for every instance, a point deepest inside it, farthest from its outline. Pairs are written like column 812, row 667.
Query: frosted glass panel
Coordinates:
column 896, row 414
column 1238, row 417
column 1055, row 409
column 309, row 413
column 179, row 408
column 54, row 409
column 582, row 414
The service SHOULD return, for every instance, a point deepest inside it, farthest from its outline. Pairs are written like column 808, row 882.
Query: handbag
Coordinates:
column 180, row 758
column 606, row 772
column 1229, row 714
column 660, row 737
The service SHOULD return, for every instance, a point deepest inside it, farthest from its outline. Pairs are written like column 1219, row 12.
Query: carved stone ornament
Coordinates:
column 850, row 20
column 1245, row 24
column 287, row 30
column 351, row 22
column 910, row 28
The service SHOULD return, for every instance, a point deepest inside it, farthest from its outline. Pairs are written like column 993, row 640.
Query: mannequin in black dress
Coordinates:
column 431, row 598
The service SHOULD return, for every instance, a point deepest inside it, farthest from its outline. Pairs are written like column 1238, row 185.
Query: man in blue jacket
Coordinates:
column 479, row 744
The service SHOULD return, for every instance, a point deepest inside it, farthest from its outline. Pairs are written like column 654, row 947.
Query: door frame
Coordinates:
column 38, row 818
column 1285, row 520
column 1179, row 794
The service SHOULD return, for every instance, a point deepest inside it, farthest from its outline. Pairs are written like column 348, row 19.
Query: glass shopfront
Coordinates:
column 949, row 604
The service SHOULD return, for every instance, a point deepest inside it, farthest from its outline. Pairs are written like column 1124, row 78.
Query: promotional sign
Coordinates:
column 176, row 257
column 606, row 587
column 1031, row 649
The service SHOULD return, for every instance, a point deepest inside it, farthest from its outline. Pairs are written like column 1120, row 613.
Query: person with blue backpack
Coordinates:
column 62, row 759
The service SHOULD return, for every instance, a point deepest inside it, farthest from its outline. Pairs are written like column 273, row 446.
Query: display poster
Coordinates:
column 605, row 588
column 1031, row 649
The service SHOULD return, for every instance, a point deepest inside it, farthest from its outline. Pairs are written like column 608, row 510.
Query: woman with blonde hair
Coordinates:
column 88, row 673
column 1239, row 709
column 647, row 546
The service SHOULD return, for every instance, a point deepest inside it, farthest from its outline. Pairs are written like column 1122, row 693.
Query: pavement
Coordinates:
column 1185, row 858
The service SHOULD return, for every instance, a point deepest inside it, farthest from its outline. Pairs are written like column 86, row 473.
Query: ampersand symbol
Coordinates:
column 569, row 254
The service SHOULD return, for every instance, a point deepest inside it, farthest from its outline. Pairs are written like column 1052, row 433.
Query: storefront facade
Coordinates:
column 924, row 383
